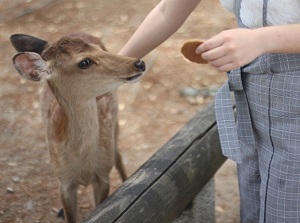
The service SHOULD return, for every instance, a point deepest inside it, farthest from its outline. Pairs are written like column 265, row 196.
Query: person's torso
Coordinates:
column 279, row 12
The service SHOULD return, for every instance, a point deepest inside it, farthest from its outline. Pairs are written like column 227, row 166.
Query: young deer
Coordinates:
column 79, row 105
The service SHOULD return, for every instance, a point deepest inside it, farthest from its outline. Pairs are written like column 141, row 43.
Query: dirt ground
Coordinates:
column 151, row 112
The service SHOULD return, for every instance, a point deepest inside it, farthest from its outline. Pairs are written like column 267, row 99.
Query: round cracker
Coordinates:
column 189, row 51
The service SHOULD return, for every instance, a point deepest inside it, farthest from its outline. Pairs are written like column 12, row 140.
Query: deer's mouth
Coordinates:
column 134, row 78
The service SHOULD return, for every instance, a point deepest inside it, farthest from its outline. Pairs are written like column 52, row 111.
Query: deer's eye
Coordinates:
column 84, row 64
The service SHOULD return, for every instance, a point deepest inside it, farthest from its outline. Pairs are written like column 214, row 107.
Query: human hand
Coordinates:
column 231, row 49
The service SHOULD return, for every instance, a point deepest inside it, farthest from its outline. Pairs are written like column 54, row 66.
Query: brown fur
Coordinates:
column 80, row 109
column 66, row 46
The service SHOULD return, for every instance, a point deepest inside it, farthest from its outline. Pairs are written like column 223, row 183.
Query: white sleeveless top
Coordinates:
column 279, row 12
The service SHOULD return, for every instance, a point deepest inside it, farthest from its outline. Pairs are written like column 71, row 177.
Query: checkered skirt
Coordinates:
column 269, row 174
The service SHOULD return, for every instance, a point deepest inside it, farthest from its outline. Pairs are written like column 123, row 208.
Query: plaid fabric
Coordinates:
column 269, row 174
column 266, row 143
column 226, row 124
column 229, row 136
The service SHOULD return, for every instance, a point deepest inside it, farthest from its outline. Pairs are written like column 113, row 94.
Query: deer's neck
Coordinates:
column 83, row 125
column 82, row 121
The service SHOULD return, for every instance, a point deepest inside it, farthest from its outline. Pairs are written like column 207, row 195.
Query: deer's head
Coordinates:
column 77, row 65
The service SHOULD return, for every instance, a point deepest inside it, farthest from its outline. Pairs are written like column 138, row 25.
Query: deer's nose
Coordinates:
column 140, row 64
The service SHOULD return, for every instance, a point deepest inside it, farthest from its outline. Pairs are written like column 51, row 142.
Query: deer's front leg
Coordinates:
column 101, row 189
column 118, row 158
column 68, row 194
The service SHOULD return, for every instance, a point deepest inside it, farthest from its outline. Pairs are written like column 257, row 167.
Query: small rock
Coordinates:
column 173, row 111
column 122, row 122
column 29, row 206
column 10, row 190
column 199, row 99
column 147, row 85
column 12, row 164
column 152, row 97
column 219, row 209
column 191, row 100
column 188, row 92
column 191, row 92
column 121, row 106
column 54, row 211
column 85, row 206
column 16, row 179
column 123, row 18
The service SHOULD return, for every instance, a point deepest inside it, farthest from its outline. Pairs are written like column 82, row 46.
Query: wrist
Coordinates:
column 264, row 43
column 279, row 39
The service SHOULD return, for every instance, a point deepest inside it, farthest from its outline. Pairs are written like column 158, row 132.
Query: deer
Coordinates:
column 79, row 106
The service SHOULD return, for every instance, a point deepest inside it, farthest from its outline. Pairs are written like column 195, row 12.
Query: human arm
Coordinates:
column 164, row 20
column 237, row 47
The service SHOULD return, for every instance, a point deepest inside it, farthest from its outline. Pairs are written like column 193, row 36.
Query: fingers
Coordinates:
column 210, row 44
column 215, row 54
column 220, row 58
column 223, row 63
column 220, row 52
column 225, row 67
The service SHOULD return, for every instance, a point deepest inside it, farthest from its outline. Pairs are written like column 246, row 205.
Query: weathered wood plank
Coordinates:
column 172, row 192
column 172, row 174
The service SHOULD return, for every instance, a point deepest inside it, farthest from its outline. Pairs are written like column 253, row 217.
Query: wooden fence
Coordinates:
column 161, row 188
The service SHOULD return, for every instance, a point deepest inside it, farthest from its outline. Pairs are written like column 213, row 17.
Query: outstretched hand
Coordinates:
column 231, row 49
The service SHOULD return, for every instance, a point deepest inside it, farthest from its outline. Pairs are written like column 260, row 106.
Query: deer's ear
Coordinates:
column 26, row 43
column 31, row 66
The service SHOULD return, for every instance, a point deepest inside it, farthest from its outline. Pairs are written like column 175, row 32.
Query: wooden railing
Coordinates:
column 161, row 188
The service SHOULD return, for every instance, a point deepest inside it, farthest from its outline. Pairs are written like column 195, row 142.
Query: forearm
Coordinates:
column 235, row 48
column 165, row 19
column 279, row 39
column 152, row 32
